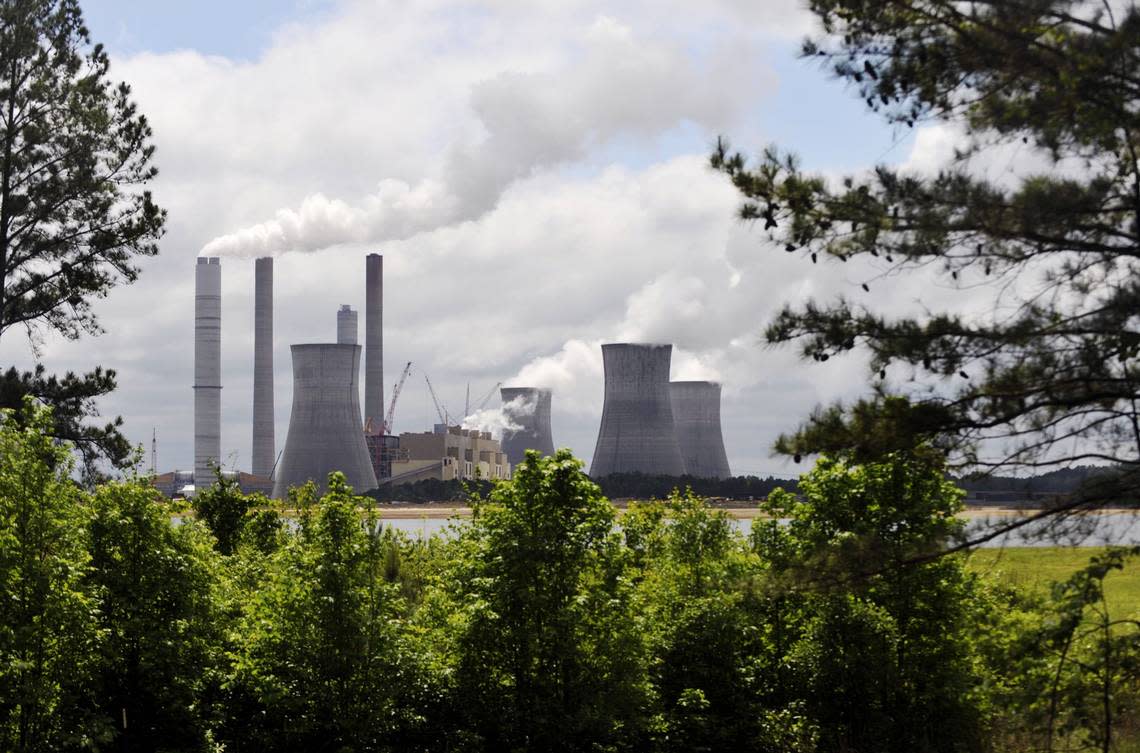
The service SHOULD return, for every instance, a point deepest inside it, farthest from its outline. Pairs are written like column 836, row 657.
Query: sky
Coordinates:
column 535, row 173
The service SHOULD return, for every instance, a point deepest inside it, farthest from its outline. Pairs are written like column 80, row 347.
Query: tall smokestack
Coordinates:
column 346, row 327
column 637, row 431
column 263, row 444
column 696, row 414
column 529, row 409
column 374, row 342
column 207, row 368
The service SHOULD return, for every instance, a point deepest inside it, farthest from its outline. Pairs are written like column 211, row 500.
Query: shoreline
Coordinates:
column 450, row 510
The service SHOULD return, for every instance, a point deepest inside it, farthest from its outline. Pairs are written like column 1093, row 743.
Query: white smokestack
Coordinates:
column 207, row 368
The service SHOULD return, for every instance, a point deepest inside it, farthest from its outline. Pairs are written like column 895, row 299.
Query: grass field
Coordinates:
column 1037, row 567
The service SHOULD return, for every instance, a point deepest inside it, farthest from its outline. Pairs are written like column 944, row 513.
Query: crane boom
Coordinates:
column 395, row 396
column 438, row 408
column 483, row 403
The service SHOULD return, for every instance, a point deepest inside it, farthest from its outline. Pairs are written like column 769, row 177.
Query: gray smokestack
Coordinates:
column 637, row 431
column 533, row 419
column 324, row 425
column 696, row 414
column 263, row 444
column 207, row 368
column 374, row 342
column 346, row 327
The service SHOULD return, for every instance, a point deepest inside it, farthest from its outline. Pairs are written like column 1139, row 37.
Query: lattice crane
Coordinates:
column 396, row 396
column 438, row 408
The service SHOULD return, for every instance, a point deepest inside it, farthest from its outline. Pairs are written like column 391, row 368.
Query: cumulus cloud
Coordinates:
column 610, row 83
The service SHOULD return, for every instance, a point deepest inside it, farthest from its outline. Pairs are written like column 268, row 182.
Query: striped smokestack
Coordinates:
column 263, row 444
column 374, row 342
column 207, row 368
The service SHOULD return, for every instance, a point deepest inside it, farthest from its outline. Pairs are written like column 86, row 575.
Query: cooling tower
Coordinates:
column 324, row 425
column 346, row 328
column 637, row 416
column 529, row 409
column 263, row 449
column 696, row 416
column 374, row 341
column 207, row 368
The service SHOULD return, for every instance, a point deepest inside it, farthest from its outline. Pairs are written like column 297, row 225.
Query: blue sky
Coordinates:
column 534, row 171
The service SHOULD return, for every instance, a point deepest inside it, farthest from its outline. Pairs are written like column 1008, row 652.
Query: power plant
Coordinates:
column 324, row 425
column 648, row 424
column 636, row 433
column 696, row 417
column 528, row 408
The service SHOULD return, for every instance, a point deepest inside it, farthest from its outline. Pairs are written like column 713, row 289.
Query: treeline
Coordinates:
column 1063, row 480
column 542, row 625
column 638, row 485
column 431, row 490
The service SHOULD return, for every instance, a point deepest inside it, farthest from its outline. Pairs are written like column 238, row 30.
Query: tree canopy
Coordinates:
column 1044, row 371
column 74, row 213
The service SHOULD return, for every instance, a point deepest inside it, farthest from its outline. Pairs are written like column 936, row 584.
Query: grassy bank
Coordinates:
column 1036, row 568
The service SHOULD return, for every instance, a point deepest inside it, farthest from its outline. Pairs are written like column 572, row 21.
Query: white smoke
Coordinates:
column 615, row 85
column 395, row 211
column 502, row 419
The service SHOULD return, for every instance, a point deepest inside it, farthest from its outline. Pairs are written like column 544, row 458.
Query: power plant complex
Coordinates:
column 649, row 424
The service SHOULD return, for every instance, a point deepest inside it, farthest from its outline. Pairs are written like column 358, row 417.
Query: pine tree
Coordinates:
column 74, row 157
column 1048, row 375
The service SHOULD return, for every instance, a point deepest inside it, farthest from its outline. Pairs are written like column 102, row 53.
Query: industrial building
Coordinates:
column 449, row 452
column 696, row 419
column 637, row 431
column 527, row 408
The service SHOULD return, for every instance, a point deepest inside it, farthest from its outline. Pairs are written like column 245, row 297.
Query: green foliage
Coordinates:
column 48, row 631
column 887, row 655
column 158, row 615
column 321, row 662
column 224, row 510
column 548, row 655
column 1047, row 375
column 546, row 623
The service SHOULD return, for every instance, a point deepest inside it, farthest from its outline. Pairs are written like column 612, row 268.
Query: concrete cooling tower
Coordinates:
column 529, row 409
column 637, row 416
column 696, row 416
column 263, row 440
column 324, row 426
column 207, row 368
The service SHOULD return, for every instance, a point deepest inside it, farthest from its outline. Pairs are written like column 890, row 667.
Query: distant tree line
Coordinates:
column 542, row 625
column 637, row 485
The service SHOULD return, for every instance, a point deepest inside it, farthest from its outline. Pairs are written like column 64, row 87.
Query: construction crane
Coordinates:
column 438, row 408
column 395, row 396
column 483, row 403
